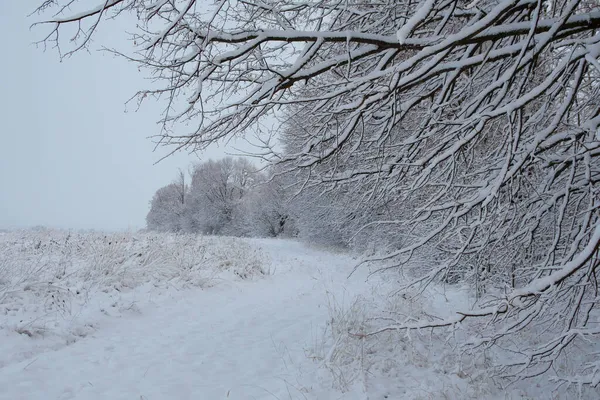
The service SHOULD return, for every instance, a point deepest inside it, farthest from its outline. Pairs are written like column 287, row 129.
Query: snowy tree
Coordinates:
column 265, row 210
column 481, row 117
column 166, row 209
column 215, row 194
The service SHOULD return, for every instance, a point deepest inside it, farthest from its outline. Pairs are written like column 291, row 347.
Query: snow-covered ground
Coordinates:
column 207, row 318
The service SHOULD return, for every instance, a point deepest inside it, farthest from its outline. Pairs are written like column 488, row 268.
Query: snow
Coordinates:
column 84, row 14
column 241, row 338
column 422, row 11
column 189, row 345
column 255, row 319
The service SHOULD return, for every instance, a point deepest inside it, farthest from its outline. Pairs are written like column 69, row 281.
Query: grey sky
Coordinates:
column 70, row 156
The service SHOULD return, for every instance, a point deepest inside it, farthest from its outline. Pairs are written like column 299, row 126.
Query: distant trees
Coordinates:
column 166, row 209
column 225, row 197
column 231, row 197
column 266, row 209
column 217, row 190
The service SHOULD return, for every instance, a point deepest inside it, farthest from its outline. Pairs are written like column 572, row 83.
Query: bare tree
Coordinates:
column 181, row 187
column 481, row 117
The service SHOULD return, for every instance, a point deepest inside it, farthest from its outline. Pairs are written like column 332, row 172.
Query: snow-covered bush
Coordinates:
column 53, row 275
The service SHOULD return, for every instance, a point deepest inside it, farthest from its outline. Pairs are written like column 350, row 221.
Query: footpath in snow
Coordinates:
column 152, row 317
column 237, row 340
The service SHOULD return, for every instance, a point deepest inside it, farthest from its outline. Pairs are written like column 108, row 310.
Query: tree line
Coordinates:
column 229, row 196
column 232, row 197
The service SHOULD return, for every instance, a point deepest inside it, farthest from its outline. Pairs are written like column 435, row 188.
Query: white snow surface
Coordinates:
column 239, row 339
column 274, row 321
column 229, row 342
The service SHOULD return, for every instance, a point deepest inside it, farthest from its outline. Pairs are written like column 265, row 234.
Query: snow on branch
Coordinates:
column 418, row 17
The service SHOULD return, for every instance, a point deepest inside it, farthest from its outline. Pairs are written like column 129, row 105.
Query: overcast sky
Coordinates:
column 70, row 156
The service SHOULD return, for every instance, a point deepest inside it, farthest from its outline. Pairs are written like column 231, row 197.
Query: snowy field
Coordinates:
column 149, row 316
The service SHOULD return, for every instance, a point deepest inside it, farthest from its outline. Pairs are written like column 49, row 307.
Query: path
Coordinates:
column 243, row 340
